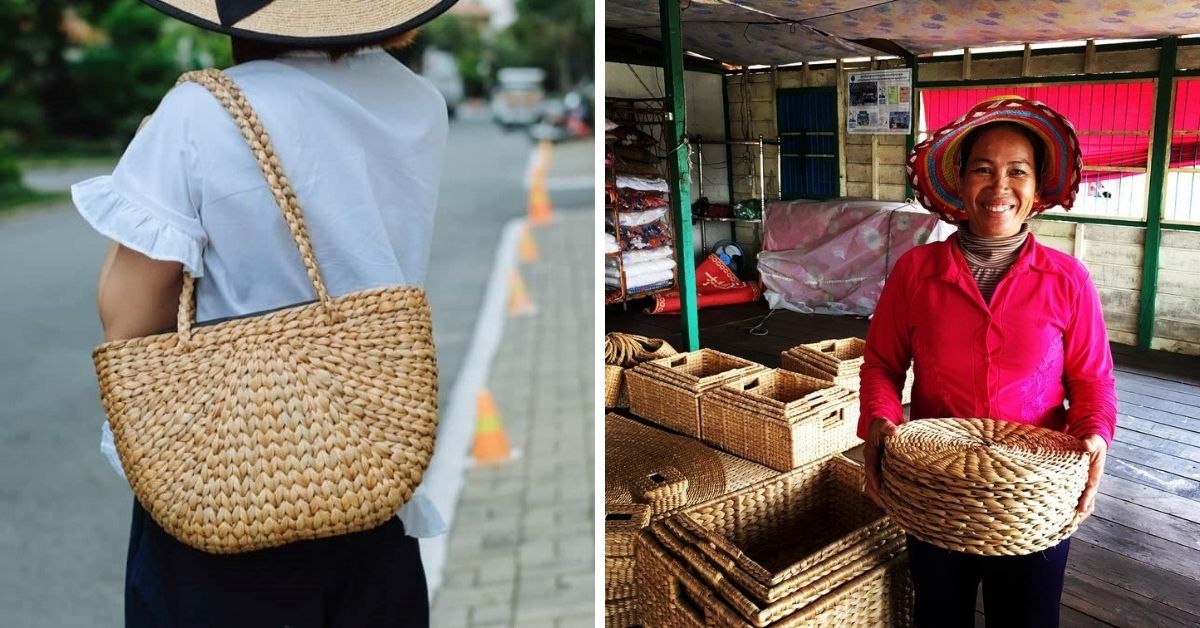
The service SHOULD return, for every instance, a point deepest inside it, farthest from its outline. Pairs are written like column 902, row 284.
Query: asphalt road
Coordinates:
column 64, row 514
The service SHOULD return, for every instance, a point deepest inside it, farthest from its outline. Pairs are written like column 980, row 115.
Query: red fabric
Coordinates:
column 1042, row 341
column 715, row 285
column 1093, row 107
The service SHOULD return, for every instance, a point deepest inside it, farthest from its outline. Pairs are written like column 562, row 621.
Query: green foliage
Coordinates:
column 457, row 36
column 124, row 78
column 556, row 35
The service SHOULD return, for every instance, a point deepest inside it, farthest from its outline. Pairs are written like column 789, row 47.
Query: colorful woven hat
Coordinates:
column 933, row 164
column 306, row 22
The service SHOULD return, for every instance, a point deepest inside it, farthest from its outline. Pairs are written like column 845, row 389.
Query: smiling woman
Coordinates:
column 1018, row 331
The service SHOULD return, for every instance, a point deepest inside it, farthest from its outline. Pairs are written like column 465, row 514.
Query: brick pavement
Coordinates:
column 521, row 549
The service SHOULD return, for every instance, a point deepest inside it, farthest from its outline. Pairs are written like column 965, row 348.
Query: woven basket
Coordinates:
column 778, row 545
column 634, row 452
column 306, row 422
column 981, row 486
column 839, row 361
column 627, row 350
column 621, row 614
column 780, row 419
column 619, row 578
column 616, row 395
column 673, row 595
column 667, row 391
column 622, row 522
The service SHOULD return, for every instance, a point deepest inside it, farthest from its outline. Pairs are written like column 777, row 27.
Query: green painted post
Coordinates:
column 910, row 60
column 679, row 167
column 1159, row 150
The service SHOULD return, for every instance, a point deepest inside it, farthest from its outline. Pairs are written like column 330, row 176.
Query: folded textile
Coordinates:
column 633, row 200
column 638, row 269
column 609, row 125
column 610, row 243
column 647, row 184
column 636, row 160
column 651, row 236
column 639, row 281
column 666, row 283
column 643, row 217
column 633, row 257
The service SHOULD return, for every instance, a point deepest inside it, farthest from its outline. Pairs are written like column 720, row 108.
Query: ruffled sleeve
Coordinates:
column 421, row 516
column 149, row 203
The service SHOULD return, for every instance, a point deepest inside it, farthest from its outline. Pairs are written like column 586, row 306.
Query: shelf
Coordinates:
column 707, row 219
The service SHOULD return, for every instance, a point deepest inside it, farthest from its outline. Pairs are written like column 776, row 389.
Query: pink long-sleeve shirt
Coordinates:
column 1041, row 341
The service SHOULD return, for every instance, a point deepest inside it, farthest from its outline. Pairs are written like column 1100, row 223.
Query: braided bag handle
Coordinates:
column 227, row 92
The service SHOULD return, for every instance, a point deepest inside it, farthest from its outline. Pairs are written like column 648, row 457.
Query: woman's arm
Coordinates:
column 137, row 296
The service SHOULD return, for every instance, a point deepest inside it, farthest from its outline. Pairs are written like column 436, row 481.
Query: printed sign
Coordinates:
column 880, row 101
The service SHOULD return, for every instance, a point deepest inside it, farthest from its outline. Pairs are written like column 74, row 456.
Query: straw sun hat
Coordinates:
column 934, row 163
column 306, row 22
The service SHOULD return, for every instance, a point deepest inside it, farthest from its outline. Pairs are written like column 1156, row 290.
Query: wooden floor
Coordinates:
column 1136, row 561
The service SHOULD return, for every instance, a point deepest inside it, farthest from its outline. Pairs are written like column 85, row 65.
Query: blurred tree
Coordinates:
column 556, row 35
column 466, row 42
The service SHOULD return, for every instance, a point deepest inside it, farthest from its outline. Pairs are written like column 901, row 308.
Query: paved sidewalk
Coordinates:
column 521, row 550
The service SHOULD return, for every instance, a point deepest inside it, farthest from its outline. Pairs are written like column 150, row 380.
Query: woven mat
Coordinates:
column 633, row 451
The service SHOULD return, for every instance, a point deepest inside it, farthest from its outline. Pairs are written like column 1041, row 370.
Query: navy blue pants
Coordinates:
column 1018, row 591
column 370, row 578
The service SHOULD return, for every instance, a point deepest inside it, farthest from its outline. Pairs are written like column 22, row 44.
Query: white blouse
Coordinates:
column 361, row 141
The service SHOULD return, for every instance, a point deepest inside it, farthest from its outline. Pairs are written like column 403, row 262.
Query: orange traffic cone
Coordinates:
column 491, row 444
column 529, row 250
column 519, row 303
column 540, row 210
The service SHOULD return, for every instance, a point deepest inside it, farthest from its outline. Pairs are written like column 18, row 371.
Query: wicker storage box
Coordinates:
column 622, row 522
column 622, row 351
column 780, row 418
column 667, row 391
column 775, row 547
column 616, row 395
column 838, row 361
column 633, row 452
column 621, row 614
column 673, row 596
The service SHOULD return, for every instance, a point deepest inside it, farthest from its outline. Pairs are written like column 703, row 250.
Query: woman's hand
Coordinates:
column 1098, row 448
column 873, row 456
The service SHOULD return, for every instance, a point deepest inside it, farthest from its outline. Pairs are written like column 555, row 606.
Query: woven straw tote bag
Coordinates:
column 302, row 423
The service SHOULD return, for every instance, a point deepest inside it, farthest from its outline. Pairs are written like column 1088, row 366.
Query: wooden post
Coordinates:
column 840, row 74
column 1027, row 61
column 1089, row 57
column 910, row 141
column 875, row 166
column 1079, row 236
column 966, row 64
column 1160, row 146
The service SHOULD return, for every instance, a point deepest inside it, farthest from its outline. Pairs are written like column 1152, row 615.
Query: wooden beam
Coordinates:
column 875, row 166
column 966, row 64
column 1079, row 229
column 679, row 169
column 1089, row 57
column 1027, row 61
column 1160, row 145
column 840, row 74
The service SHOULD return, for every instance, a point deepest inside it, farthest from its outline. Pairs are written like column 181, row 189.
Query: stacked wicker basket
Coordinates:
column 696, row 536
column 649, row 473
column 667, row 391
column 780, row 419
column 838, row 361
column 803, row 548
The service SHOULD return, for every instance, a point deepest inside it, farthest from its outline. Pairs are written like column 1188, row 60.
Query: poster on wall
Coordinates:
column 880, row 101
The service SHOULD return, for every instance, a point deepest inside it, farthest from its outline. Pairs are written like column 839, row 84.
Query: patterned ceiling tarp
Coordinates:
column 747, row 32
column 752, row 44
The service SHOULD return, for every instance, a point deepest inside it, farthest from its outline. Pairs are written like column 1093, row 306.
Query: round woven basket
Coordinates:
column 981, row 486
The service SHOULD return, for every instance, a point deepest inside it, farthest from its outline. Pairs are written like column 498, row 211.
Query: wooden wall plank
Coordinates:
column 1114, row 276
column 1116, row 253
column 1178, row 282
column 1113, row 233
column 1176, row 346
column 1118, row 300
column 1055, row 228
